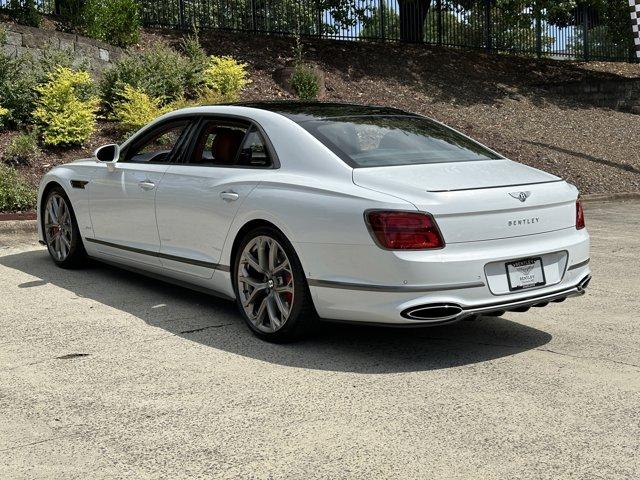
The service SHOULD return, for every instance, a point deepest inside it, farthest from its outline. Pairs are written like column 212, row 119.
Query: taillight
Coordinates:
column 404, row 230
column 579, row 216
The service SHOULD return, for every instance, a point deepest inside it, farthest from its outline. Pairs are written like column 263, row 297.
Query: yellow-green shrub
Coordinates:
column 226, row 76
column 136, row 109
column 208, row 96
column 3, row 113
column 205, row 96
column 66, row 108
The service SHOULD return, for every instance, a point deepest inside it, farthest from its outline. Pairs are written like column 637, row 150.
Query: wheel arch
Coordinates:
column 247, row 227
column 45, row 189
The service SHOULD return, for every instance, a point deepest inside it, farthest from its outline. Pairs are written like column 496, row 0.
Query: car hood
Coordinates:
column 406, row 180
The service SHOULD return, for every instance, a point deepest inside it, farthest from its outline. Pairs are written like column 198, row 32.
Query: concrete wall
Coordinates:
column 21, row 39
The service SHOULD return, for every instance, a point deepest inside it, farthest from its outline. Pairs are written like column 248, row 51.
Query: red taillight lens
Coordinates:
column 404, row 230
column 579, row 216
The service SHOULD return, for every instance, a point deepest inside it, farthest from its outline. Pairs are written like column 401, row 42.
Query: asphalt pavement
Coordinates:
column 108, row 374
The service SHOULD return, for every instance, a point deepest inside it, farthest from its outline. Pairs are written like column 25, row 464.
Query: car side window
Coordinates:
column 253, row 152
column 157, row 146
column 229, row 144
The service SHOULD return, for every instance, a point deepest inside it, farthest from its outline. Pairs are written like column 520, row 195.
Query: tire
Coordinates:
column 62, row 238
column 264, row 286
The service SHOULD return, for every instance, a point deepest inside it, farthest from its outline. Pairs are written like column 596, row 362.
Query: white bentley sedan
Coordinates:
column 313, row 211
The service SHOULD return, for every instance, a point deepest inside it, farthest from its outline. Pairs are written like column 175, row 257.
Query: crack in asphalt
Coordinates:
column 70, row 356
column 15, row 447
column 586, row 357
column 24, row 365
column 204, row 328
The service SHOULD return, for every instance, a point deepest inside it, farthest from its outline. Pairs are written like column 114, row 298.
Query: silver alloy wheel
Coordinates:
column 58, row 228
column 265, row 284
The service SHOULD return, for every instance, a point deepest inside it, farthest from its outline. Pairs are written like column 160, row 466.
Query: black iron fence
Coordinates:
column 505, row 26
column 510, row 26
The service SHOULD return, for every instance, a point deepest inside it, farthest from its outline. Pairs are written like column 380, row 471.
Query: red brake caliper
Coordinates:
column 288, row 296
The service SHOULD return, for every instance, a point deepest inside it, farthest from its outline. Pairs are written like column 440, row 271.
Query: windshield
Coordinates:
column 378, row 141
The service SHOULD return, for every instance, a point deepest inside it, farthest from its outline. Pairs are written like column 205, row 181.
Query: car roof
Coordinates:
column 302, row 111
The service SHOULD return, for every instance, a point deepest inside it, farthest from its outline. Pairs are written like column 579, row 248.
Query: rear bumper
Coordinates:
column 370, row 285
column 499, row 308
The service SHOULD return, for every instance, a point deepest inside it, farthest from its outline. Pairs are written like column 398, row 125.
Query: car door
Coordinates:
column 122, row 200
column 199, row 196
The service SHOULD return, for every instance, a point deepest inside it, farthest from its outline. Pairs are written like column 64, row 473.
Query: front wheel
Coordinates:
column 271, row 288
column 61, row 232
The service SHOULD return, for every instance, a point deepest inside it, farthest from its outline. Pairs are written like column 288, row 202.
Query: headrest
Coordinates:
column 225, row 145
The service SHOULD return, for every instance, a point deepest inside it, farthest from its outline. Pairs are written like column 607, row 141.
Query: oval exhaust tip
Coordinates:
column 584, row 283
column 433, row 313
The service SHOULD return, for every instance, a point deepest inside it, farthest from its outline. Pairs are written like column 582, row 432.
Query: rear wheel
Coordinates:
column 60, row 229
column 271, row 288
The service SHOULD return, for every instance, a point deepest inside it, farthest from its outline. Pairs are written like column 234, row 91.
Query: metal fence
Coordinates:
column 43, row 6
column 504, row 26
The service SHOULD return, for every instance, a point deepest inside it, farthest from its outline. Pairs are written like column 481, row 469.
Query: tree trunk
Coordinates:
column 413, row 13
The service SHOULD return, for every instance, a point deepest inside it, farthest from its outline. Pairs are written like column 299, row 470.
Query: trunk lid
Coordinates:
column 475, row 201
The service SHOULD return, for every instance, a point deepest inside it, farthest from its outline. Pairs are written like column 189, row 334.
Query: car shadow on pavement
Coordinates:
column 336, row 347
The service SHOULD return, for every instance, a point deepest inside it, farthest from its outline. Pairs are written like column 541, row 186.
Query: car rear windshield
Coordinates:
column 379, row 141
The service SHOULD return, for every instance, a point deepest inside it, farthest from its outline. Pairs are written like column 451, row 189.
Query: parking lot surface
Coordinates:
column 107, row 374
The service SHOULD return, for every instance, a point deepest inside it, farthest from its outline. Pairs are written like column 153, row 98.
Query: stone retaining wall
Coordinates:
column 622, row 94
column 21, row 39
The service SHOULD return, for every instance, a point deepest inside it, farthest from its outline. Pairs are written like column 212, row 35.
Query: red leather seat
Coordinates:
column 225, row 145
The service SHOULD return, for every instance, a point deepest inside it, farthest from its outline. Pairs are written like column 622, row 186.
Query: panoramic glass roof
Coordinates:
column 302, row 111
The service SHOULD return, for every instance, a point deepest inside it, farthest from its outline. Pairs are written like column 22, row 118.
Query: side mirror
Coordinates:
column 108, row 154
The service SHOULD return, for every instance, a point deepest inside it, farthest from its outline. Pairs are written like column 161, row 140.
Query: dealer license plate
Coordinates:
column 527, row 273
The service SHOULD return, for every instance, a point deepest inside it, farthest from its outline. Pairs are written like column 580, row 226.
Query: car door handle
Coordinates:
column 147, row 185
column 229, row 196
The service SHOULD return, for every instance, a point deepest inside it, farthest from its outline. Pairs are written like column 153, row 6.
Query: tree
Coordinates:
column 411, row 18
column 413, row 14
column 381, row 23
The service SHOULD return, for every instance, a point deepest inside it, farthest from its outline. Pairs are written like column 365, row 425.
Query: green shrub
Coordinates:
column 197, row 63
column 25, row 12
column 304, row 83
column 66, row 108
column 15, row 193
column 129, row 70
column 173, row 79
column 51, row 59
column 136, row 109
column 226, row 76
column 166, row 73
column 22, row 149
column 160, row 72
column 113, row 21
column 17, row 93
column 72, row 12
column 19, row 77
